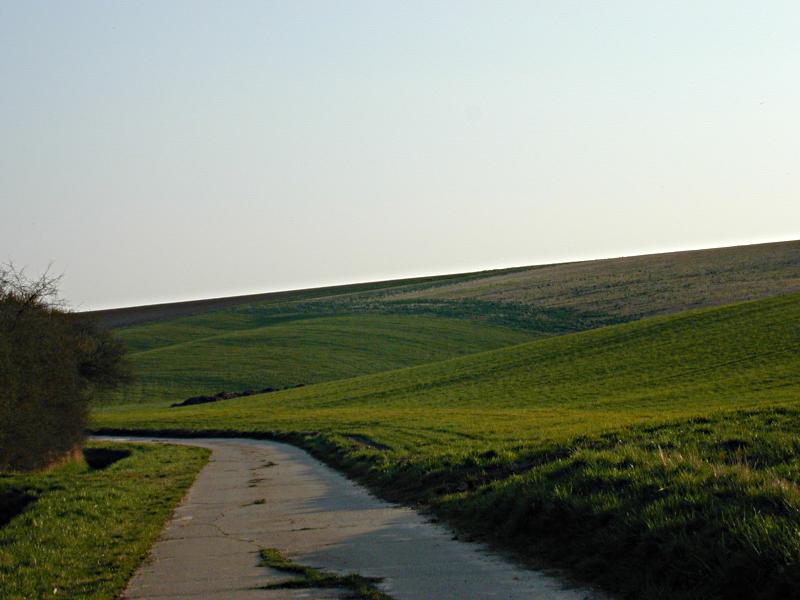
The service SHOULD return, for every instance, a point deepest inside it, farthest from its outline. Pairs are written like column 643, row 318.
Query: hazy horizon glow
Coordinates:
column 446, row 271
column 170, row 151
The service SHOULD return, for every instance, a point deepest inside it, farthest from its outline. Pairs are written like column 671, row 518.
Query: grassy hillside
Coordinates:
column 572, row 412
column 638, row 286
column 733, row 357
column 238, row 343
column 545, row 299
column 235, row 351
column 657, row 457
column 136, row 315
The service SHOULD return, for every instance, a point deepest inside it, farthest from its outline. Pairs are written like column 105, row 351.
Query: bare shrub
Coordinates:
column 51, row 361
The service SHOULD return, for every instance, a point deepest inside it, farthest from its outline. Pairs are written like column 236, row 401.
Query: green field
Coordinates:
column 741, row 356
column 238, row 351
column 547, row 299
column 311, row 336
column 635, row 421
column 636, row 286
column 86, row 526
column 634, row 431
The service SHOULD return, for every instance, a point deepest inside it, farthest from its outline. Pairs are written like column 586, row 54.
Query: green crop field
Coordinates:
column 310, row 336
column 678, row 417
column 634, row 421
column 175, row 360
column 597, row 292
column 736, row 357
column 636, row 286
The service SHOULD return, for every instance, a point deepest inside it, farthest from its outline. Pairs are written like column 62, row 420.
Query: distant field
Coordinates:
column 233, row 353
column 547, row 298
column 134, row 315
column 639, row 286
column 627, row 438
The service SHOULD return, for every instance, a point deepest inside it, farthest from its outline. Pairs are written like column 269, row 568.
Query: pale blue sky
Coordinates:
column 172, row 150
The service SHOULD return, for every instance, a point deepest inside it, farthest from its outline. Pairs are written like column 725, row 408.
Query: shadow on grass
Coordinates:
column 13, row 502
column 101, row 458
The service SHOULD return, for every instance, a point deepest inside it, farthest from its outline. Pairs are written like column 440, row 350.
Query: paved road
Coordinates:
column 258, row 494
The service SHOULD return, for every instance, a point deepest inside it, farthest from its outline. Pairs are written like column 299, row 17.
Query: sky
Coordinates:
column 156, row 151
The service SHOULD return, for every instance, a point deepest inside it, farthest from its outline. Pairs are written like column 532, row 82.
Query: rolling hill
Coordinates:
column 638, row 286
column 680, row 366
column 230, row 357
column 239, row 343
column 576, row 295
column 658, row 458
column 635, row 421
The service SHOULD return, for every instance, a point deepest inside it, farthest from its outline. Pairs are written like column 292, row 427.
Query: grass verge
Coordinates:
column 700, row 509
column 85, row 526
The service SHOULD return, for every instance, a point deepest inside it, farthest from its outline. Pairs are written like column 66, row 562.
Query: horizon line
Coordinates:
column 455, row 272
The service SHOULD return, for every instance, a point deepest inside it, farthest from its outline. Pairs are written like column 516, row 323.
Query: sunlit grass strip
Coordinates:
column 87, row 530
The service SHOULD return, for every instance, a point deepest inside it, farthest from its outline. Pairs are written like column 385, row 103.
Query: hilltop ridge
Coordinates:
column 603, row 291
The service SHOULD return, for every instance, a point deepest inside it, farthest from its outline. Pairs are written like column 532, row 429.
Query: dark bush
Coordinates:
column 51, row 361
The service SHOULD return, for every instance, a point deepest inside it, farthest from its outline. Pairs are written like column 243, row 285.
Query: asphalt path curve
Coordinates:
column 256, row 494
